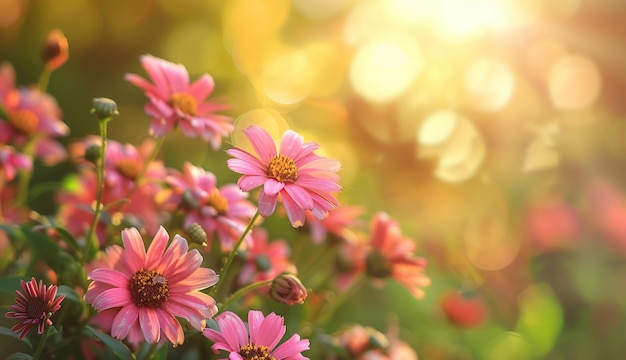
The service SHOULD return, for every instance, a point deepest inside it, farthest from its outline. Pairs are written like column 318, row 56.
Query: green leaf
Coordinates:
column 19, row 356
column 70, row 294
column 541, row 318
column 9, row 332
column 118, row 348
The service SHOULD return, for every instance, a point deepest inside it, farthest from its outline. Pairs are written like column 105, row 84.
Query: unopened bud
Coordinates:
column 55, row 50
column 92, row 153
column 104, row 108
column 288, row 289
column 197, row 234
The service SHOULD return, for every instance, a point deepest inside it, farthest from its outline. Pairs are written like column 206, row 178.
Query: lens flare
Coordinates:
column 385, row 68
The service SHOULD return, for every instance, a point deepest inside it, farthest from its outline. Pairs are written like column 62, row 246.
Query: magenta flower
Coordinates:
column 150, row 289
column 173, row 101
column 391, row 255
column 35, row 306
column 257, row 343
column 11, row 162
column 29, row 114
column 223, row 211
column 297, row 176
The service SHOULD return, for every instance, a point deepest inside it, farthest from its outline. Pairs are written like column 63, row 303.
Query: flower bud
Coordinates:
column 55, row 50
column 197, row 234
column 104, row 108
column 92, row 153
column 288, row 289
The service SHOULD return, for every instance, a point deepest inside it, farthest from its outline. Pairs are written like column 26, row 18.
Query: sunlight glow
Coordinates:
column 574, row 82
column 490, row 83
column 459, row 19
column 385, row 68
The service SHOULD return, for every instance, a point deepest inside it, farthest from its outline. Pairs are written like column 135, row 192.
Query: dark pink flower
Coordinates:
column 302, row 179
column 223, row 211
column 258, row 340
column 150, row 289
column 34, row 307
column 391, row 255
column 173, row 101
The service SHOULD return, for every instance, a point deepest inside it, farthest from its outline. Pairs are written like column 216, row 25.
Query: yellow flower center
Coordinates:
column 129, row 168
column 185, row 103
column 148, row 288
column 282, row 168
column 218, row 202
column 255, row 352
column 24, row 121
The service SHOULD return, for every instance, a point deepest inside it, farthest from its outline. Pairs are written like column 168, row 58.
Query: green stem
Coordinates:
column 25, row 175
column 42, row 343
column 44, row 78
column 92, row 240
column 233, row 253
column 244, row 290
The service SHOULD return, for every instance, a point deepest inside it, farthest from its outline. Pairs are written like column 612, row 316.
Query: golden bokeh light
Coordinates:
column 455, row 144
column 269, row 119
column 383, row 69
column 574, row 82
column 465, row 19
column 286, row 76
column 490, row 83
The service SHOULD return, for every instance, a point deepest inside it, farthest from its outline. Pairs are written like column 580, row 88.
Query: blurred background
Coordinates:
column 493, row 130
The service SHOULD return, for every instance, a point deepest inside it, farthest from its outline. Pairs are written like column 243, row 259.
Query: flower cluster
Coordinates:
column 126, row 286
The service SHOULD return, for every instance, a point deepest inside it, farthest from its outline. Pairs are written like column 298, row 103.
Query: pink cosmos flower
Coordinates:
column 339, row 223
column 11, row 162
column 30, row 113
column 259, row 342
column 223, row 211
column 173, row 101
column 150, row 289
column 302, row 179
column 391, row 255
column 264, row 260
column 35, row 306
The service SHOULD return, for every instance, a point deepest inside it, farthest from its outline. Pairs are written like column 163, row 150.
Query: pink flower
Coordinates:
column 338, row 223
column 150, row 289
column 35, row 306
column 391, row 255
column 264, row 260
column 551, row 224
column 173, row 101
column 302, row 179
column 30, row 113
column 223, row 211
column 11, row 162
column 257, row 343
